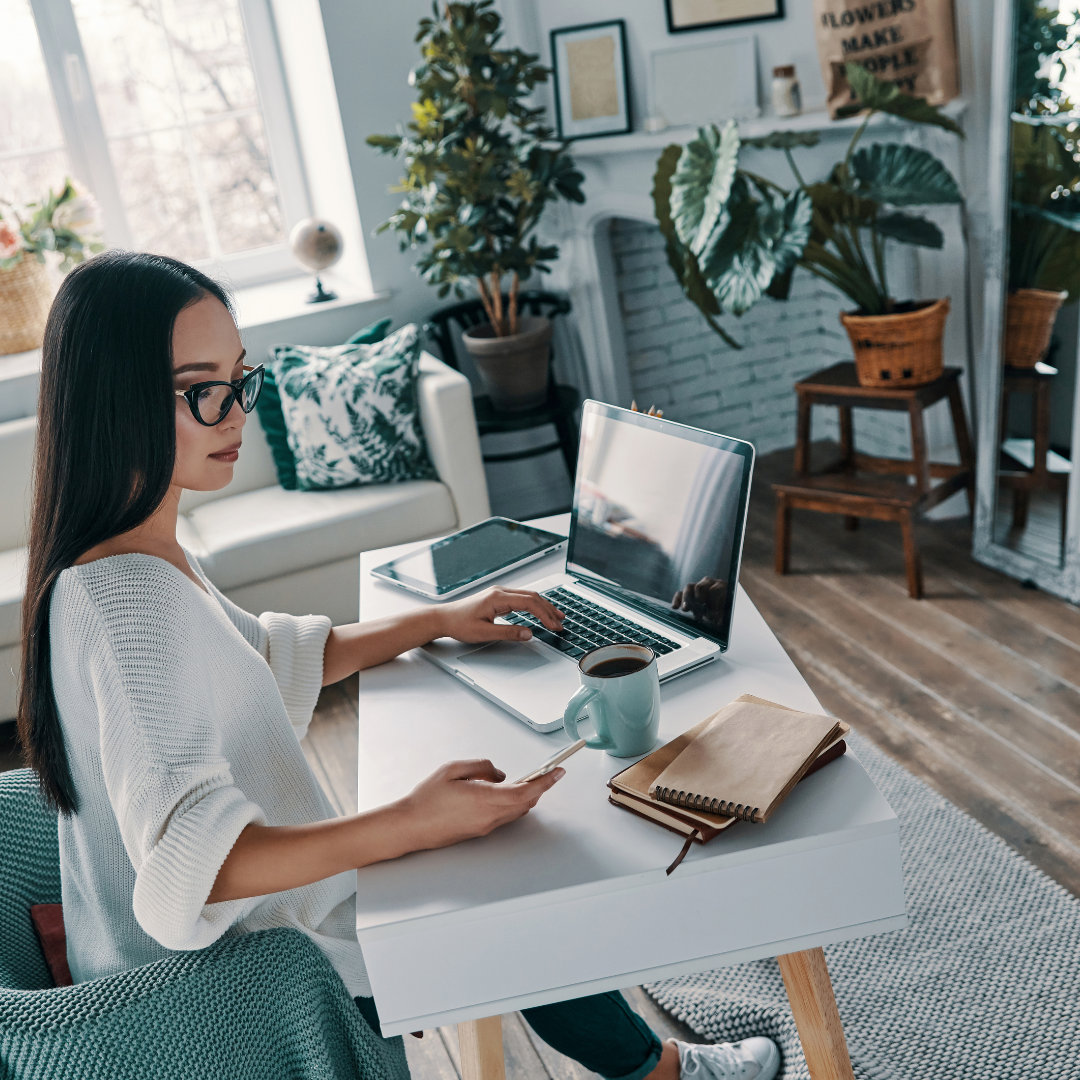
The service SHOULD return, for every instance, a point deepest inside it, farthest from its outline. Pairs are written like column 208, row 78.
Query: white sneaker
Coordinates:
column 757, row 1058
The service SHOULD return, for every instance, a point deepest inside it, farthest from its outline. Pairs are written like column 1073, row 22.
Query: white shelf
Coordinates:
column 655, row 141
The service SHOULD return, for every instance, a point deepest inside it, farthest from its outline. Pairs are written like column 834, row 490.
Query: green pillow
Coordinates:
column 268, row 408
column 352, row 412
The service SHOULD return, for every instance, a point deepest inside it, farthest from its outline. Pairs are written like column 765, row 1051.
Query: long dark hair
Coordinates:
column 104, row 452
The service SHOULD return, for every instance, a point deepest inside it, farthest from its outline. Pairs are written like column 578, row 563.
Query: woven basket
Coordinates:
column 26, row 295
column 1029, row 322
column 898, row 350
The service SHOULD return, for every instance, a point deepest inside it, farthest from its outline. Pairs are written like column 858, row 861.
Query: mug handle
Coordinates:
column 586, row 696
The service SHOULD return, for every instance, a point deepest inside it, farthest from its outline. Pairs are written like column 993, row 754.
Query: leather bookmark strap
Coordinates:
column 685, row 848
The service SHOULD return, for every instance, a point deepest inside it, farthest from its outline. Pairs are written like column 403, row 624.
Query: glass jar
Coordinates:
column 786, row 99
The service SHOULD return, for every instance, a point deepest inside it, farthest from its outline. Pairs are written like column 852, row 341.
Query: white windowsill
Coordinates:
column 257, row 306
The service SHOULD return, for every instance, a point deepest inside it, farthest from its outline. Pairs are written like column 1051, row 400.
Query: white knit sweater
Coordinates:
column 182, row 717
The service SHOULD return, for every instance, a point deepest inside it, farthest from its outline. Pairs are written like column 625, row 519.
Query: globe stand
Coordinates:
column 320, row 294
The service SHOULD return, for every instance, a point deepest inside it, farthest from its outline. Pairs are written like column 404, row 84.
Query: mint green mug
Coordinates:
column 620, row 690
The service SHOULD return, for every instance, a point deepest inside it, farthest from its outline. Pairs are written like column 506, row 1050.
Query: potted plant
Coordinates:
column 733, row 236
column 63, row 222
column 480, row 167
column 1044, row 201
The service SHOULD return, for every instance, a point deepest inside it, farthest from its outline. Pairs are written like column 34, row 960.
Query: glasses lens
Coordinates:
column 213, row 403
column 251, row 391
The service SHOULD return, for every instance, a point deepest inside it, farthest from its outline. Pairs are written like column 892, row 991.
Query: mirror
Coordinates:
column 1032, row 339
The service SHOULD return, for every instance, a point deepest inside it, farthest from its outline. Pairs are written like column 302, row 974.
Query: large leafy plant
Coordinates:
column 1044, row 199
column 733, row 236
column 480, row 165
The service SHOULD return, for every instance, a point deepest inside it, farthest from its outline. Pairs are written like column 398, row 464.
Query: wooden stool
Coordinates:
column 887, row 495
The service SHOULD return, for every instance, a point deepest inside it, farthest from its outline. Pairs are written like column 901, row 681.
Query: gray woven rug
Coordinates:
column 983, row 984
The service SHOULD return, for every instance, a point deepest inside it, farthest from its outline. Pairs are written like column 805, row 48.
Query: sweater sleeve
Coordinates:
column 171, row 789
column 293, row 646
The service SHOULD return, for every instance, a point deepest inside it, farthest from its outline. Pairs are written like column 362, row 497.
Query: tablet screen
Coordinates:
column 469, row 555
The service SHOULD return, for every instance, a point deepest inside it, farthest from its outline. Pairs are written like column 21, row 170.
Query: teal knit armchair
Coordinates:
column 266, row 1004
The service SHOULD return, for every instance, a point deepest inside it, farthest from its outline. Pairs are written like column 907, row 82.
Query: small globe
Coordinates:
column 316, row 243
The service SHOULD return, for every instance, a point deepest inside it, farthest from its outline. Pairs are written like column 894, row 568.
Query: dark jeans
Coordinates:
column 601, row 1031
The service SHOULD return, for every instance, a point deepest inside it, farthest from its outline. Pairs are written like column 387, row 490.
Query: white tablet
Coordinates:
column 469, row 558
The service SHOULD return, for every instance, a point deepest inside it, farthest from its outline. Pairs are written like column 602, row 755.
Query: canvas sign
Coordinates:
column 911, row 43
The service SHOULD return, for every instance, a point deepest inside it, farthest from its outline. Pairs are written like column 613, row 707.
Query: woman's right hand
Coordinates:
column 463, row 799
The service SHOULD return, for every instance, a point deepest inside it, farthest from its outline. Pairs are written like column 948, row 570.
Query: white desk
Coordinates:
column 572, row 899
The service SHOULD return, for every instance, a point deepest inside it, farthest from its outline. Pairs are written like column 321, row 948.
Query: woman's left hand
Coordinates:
column 473, row 619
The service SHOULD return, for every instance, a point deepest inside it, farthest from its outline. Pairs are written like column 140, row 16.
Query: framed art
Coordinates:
column 706, row 83
column 699, row 14
column 592, row 86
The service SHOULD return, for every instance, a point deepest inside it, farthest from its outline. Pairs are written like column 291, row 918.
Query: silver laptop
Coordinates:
column 656, row 535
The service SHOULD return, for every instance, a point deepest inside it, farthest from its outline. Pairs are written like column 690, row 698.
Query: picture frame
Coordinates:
column 591, row 80
column 685, row 15
column 704, row 84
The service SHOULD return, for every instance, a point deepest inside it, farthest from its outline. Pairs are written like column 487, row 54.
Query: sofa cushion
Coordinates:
column 258, row 535
column 268, row 409
column 352, row 411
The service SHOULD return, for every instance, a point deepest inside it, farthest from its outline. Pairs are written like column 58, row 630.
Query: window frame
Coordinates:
column 88, row 150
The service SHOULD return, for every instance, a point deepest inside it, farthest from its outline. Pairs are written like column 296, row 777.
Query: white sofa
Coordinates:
column 266, row 548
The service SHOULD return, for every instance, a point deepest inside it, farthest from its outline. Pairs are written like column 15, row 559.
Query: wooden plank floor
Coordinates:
column 975, row 689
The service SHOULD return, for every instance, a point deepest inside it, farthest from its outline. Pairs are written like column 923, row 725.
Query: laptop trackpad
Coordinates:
column 503, row 658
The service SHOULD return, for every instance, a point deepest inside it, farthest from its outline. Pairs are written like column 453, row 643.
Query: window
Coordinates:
column 172, row 112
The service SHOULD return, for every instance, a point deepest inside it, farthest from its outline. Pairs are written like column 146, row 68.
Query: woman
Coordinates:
column 164, row 722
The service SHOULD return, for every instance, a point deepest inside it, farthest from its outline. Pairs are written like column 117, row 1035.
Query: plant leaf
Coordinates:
column 1065, row 220
column 902, row 176
column 765, row 237
column 910, row 229
column 783, row 140
column 701, row 183
column 873, row 93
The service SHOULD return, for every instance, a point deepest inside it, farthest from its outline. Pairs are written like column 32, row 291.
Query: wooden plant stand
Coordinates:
column 887, row 494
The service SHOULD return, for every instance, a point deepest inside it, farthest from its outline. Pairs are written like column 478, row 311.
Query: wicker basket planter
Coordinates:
column 1029, row 322
column 901, row 349
column 25, row 298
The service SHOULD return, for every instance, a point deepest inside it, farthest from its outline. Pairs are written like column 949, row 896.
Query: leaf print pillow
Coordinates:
column 352, row 413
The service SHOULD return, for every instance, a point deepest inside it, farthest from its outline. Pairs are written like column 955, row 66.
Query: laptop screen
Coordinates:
column 658, row 517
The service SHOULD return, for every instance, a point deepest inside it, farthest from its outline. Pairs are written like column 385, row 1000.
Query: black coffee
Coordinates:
column 621, row 665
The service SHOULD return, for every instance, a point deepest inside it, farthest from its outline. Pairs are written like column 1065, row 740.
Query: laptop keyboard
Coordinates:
column 587, row 626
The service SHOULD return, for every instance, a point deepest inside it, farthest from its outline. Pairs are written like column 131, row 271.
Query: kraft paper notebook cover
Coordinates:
column 630, row 789
column 746, row 760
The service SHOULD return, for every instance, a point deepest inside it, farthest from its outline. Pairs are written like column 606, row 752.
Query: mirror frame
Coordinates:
column 1062, row 579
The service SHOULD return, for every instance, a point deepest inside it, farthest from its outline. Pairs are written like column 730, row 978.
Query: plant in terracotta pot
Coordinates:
column 480, row 168
column 65, row 222
column 1044, row 198
column 728, row 250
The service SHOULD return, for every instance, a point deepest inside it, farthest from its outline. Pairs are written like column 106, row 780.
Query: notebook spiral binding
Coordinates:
column 710, row 806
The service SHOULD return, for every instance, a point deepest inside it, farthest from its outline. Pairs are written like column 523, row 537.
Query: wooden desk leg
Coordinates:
column 481, row 1047
column 813, row 1005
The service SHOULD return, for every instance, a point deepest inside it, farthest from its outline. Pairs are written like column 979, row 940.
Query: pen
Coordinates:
column 552, row 761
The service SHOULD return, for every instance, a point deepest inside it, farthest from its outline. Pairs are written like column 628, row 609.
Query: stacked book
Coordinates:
column 737, row 765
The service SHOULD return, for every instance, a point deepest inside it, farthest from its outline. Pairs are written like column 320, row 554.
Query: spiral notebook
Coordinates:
column 746, row 760
column 633, row 788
